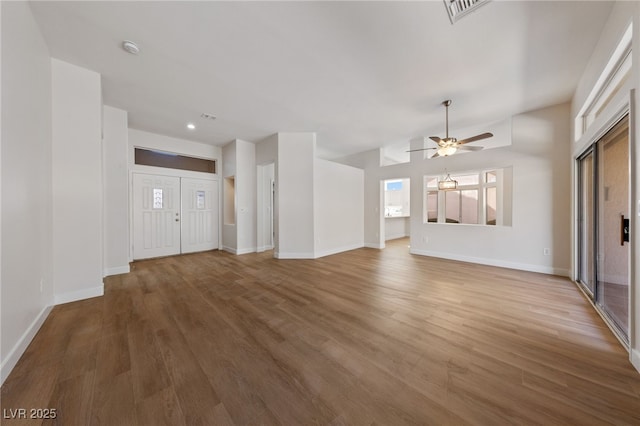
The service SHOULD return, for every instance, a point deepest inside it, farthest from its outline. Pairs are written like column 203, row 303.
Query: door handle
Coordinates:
column 624, row 230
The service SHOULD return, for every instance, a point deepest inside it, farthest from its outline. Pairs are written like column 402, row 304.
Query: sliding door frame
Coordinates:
column 581, row 215
column 612, row 115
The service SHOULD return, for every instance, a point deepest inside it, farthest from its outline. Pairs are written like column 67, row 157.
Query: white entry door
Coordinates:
column 156, row 216
column 199, row 215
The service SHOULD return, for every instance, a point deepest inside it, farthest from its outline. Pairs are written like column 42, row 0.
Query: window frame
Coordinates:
column 480, row 187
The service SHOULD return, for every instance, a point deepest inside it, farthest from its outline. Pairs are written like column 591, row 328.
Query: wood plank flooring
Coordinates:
column 359, row 338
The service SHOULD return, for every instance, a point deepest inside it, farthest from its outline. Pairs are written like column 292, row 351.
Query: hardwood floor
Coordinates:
column 363, row 337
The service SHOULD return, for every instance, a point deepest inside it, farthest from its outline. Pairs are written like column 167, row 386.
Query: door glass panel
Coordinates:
column 613, row 206
column 200, row 200
column 157, row 198
column 586, row 271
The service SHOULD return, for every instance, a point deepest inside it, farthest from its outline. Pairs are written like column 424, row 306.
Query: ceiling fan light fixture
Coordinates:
column 445, row 151
column 449, row 145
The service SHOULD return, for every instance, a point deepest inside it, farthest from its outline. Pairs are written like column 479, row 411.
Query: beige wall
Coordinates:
column 535, row 149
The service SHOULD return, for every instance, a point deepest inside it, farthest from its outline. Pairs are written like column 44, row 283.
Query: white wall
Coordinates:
column 240, row 162
column 267, row 150
column 115, row 148
column 294, row 195
column 266, row 159
column 77, row 182
column 229, row 230
column 537, row 152
column 338, row 207
column 26, row 292
column 396, row 227
column 266, row 174
column 246, row 182
column 622, row 14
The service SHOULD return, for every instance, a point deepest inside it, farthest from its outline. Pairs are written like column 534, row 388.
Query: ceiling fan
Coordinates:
column 449, row 146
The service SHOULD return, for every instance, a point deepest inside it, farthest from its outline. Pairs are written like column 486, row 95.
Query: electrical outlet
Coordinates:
column 425, row 239
column 546, row 252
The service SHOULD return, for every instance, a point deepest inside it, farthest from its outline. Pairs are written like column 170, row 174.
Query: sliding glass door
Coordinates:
column 603, row 201
column 587, row 229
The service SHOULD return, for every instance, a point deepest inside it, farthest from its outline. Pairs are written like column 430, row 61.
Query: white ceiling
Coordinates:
column 359, row 74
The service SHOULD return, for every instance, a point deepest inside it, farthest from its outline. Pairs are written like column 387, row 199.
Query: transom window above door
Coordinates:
column 168, row 160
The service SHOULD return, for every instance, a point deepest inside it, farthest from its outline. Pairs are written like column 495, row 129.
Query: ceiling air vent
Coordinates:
column 459, row 8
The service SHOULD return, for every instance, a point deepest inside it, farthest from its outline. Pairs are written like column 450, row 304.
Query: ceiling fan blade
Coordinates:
column 475, row 138
column 435, row 139
column 434, row 155
column 419, row 149
column 470, row 148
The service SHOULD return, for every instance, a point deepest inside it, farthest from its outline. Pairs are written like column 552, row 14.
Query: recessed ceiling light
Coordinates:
column 191, row 126
column 130, row 47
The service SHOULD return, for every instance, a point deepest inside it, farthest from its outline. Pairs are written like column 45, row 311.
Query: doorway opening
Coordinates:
column 396, row 212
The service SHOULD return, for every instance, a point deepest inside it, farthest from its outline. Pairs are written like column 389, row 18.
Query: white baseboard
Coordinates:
column 374, row 245
column 494, row 262
column 239, row 251
column 264, row 248
column 338, row 250
column 14, row 355
column 246, row 250
column 116, row 271
column 635, row 359
column 85, row 293
column 280, row 255
column 229, row 249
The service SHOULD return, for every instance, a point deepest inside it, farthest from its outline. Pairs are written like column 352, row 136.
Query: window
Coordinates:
column 432, row 206
column 394, row 185
column 611, row 81
column 149, row 157
column 479, row 199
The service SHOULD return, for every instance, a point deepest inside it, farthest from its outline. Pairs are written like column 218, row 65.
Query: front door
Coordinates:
column 199, row 215
column 156, row 216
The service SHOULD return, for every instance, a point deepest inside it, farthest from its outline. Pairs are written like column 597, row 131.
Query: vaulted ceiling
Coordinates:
column 359, row 74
